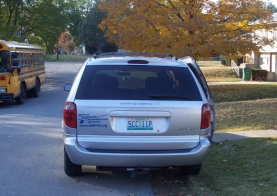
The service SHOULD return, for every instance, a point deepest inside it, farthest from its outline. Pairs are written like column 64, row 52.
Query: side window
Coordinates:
column 20, row 56
column 28, row 58
column 204, row 86
column 36, row 58
column 40, row 58
column 25, row 59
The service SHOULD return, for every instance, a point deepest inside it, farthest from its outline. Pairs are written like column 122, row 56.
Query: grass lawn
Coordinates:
column 245, row 167
column 62, row 57
column 209, row 63
column 245, row 107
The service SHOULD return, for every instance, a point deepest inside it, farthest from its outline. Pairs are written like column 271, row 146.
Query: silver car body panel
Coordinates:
column 190, row 61
column 82, row 156
column 102, row 138
column 109, row 118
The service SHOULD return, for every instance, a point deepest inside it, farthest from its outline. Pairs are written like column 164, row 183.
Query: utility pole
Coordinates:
column 57, row 48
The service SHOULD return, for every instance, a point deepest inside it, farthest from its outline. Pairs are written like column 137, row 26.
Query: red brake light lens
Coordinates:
column 2, row 77
column 144, row 62
column 70, row 115
column 206, row 116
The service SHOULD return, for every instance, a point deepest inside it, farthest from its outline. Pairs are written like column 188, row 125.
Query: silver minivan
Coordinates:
column 137, row 112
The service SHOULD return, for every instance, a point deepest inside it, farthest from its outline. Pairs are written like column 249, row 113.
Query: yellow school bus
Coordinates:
column 22, row 70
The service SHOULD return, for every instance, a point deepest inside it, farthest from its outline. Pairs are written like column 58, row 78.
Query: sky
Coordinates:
column 272, row 1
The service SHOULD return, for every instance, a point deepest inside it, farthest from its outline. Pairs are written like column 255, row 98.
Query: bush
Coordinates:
column 259, row 74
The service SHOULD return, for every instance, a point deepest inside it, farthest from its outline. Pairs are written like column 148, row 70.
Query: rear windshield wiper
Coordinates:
column 169, row 97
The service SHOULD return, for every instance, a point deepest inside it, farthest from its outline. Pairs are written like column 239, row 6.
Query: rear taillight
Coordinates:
column 70, row 114
column 2, row 77
column 206, row 116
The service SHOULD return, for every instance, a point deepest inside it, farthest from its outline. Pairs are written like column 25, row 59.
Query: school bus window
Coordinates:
column 21, row 59
column 36, row 58
column 29, row 59
column 40, row 58
column 32, row 58
column 24, row 59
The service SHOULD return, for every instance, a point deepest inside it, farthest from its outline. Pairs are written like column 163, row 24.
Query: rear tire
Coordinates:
column 191, row 169
column 23, row 95
column 36, row 89
column 70, row 168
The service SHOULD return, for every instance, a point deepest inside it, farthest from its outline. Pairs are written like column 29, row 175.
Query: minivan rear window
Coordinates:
column 106, row 82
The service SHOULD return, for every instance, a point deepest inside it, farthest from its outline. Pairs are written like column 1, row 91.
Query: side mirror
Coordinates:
column 15, row 63
column 10, row 70
column 67, row 87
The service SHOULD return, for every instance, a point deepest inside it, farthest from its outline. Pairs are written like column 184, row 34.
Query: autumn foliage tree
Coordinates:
column 66, row 42
column 199, row 28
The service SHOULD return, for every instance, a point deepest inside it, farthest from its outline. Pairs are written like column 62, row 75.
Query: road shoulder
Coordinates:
column 231, row 136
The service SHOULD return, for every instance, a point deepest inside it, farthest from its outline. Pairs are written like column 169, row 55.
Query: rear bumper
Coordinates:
column 81, row 156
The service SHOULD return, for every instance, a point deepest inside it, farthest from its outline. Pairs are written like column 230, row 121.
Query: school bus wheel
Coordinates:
column 36, row 89
column 22, row 96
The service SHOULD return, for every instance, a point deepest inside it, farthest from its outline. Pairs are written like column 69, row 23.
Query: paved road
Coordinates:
column 31, row 148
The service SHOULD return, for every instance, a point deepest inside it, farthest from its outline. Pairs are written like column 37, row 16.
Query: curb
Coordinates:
column 233, row 136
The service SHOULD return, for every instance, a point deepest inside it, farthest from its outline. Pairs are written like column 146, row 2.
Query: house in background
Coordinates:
column 266, row 58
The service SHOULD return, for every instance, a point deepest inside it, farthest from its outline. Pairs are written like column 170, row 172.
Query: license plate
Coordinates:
column 139, row 124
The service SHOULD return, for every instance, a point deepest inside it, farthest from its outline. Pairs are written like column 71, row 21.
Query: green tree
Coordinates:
column 47, row 21
column 77, row 10
column 272, row 7
column 89, row 33
column 40, row 21
column 10, row 16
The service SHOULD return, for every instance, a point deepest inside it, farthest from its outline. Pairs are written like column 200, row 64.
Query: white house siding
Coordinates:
column 268, row 54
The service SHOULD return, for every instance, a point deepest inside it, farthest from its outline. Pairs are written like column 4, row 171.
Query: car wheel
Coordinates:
column 23, row 95
column 70, row 168
column 36, row 89
column 191, row 169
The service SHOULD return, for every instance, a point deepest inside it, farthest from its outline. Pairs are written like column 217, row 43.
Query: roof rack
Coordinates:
column 146, row 54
